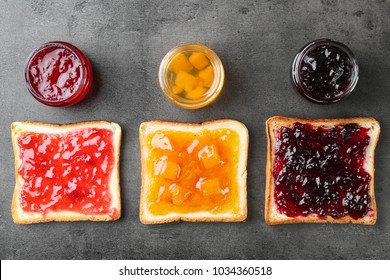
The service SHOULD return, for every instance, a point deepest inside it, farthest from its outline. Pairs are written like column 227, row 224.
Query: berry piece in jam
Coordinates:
column 321, row 171
column 325, row 71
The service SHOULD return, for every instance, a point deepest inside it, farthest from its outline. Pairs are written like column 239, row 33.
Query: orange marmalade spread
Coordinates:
column 193, row 172
column 67, row 171
column 190, row 74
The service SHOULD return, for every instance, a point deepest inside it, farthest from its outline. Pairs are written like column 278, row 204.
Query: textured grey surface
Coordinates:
column 256, row 40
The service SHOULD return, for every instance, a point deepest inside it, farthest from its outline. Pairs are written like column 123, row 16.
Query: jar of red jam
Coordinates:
column 325, row 71
column 58, row 74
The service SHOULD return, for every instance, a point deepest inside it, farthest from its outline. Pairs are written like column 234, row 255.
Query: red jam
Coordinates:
column 321, row 171
column 68, row 171
column 325, row 71
column 58, row 74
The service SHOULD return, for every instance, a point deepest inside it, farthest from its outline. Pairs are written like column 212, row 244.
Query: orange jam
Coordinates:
column 193, row 171
column 190, row 74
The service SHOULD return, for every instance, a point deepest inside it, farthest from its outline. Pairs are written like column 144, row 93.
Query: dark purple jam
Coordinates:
column 325, row 71
column 321, row 171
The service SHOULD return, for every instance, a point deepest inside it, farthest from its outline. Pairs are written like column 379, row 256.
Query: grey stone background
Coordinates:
column 256, row 40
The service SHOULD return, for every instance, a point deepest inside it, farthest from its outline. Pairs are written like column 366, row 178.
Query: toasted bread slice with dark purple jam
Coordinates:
column 310, row 176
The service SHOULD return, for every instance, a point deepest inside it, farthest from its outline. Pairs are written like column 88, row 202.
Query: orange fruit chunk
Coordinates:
column 209, row 186
column 186, row 81
column 207, row 75
column 193, row 145
column 163, row 194
column 161, row 141
column 179, row 194
column 180, row 63
column 196, row 93
column 167, row 169
column 199, row 60
column 177, row 90
column 209, row 156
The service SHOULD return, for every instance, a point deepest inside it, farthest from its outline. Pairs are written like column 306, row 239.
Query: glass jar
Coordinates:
column 191, row 75
column 325, row 71
column 58, row 74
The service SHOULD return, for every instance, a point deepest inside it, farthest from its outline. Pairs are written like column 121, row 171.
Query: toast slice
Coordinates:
column 66, row 172
column 193, row 172
column 312, row 174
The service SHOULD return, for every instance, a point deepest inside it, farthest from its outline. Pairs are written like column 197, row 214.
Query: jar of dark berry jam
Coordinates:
column 58, row 74
column 325, row 71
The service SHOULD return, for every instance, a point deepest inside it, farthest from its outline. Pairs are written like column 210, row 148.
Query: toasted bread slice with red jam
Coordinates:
column 66, row 172
column 193, row 172
column 321, row 170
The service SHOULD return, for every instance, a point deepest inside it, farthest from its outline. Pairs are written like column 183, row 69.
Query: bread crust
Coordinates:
column 149, row 127
column 22, row 217
column 272, row 215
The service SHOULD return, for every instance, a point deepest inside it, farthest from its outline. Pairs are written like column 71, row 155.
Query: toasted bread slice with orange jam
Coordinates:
column 193, row 172
column 66, row 172
column 321, row 170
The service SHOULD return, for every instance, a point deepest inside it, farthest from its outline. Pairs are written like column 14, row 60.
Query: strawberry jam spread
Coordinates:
column 321, row 171
column 68, row 171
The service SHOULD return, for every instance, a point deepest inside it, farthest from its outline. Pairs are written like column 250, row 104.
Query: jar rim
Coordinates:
column 86, row 74
column 310, row 46
column 211, row 94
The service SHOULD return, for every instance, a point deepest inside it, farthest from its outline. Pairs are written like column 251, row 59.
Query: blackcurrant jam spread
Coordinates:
column 325, row 71
column 321, row 171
